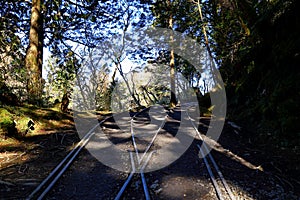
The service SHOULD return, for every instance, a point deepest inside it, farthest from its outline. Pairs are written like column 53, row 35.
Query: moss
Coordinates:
column 14, row 121
column 22, row 124
column 7, row 125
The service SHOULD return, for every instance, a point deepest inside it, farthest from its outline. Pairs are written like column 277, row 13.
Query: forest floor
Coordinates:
column 25, row 162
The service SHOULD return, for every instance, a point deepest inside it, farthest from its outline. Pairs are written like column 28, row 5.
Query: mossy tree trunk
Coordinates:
column 34, row 54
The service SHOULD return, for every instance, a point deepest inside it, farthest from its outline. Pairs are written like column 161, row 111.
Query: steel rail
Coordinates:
column 74, row 152
column 153, row 139
column 151, row 142
column 133, row 171
column 132, row 133
column 140, row 160
column 146, row 191
column 212, row 177
column 226, row 186
column 144, row 182
column 120, row 193
column 133, row 140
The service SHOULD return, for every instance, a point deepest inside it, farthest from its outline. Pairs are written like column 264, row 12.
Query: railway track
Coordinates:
column 142, row 160
column 226, row 193
column 222, row 189
column 46, row 185
column 141, row 147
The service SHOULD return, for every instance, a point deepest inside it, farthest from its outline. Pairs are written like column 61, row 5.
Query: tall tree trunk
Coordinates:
column 173, row 101
column 65, row 101
column 34, row 54
column 113, row 81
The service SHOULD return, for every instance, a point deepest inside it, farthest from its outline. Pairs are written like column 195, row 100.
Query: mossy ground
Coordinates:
column 14, row 123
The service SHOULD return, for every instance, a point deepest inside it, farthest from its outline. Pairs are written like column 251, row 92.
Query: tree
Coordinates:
column 253, row 42
column 12, row 71
column 34, row 55
column 166, row 20
column 173, row 100
column 123, row 47
column 60, row 79
column 60, row 25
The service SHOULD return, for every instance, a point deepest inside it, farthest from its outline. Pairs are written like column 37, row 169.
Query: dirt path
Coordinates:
column 186, row 178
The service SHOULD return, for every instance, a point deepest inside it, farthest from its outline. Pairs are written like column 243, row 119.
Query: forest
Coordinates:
column 254, row 44
column 57, row 55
